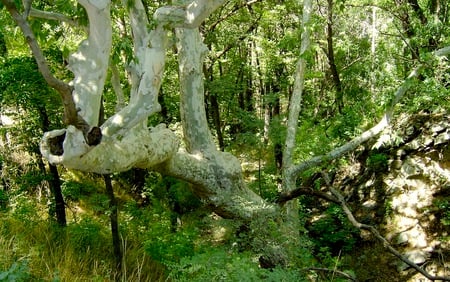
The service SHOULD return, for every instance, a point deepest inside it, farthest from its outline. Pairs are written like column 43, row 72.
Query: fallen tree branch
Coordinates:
column 377, row 234
column 372, row 132
column 290, row 195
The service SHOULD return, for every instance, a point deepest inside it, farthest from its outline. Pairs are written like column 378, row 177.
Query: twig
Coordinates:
column 343, row 274
column 377, row 234
column 289, row 195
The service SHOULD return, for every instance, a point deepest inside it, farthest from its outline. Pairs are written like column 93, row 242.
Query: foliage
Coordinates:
column 249, row 71
column 167, row 247
column 18, row 272
column 377, row 162
column 220, row 264
column 332, row 233
column 444, row 210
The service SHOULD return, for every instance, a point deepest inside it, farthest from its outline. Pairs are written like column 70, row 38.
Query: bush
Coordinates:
column 169, row 247
column 333, row 233
column 86, row 235
column 226, row 265
column 377, row 162
column 18, row 272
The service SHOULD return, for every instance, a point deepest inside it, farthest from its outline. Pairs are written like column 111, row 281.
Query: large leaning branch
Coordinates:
column 377, row 234
column 372, row 132
column 70, row 113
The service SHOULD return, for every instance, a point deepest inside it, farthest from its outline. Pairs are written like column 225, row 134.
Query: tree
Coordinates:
column 23, row 89
column 123, row 141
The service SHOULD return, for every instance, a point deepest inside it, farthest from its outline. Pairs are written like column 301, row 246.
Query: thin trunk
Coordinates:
column 248, row 96
column 289, row 178
column 60, row 207
column 166, row 117
column 214, row 110
column 216, row 119
column 277, row 146
column 55, row 182
column 331, row 61
column 373, row 52
column 113, row 209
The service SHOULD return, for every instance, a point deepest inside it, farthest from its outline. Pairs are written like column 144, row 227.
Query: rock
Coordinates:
column 416, row 256
column 442, row 138
column 437, row 128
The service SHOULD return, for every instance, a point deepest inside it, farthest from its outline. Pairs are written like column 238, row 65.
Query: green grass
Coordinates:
column 45, row 252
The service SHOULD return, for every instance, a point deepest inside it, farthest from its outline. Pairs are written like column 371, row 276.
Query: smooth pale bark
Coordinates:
column 189, row 15
column 140, row 147
column 90, row 62
column 217, row 175
column 127, row 143
column 370, row 133
column 289, row 178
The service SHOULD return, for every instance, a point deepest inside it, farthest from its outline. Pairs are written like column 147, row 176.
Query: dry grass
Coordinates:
column 53, row 255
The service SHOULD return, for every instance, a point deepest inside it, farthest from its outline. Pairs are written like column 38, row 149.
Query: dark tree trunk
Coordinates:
column 277, row 147
column 55, row 182
column 60, row 206
column 113, row 209
column 213, row 110
column 164, row 110
column 331, row 61
column 216, row 119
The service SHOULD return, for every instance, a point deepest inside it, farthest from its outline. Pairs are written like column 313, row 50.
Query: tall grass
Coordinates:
column 79, row 252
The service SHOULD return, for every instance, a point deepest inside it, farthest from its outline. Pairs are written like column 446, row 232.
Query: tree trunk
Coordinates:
column 331, row 61
column 55, row 182
column 55, row 187
column 216, row 176
column 216, row 119
column 114, row 219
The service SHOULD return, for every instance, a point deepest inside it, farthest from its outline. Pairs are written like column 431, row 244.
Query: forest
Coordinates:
column 225, row 140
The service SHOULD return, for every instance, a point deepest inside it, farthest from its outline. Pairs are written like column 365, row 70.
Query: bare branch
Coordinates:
column 372, row 132
column 377, row 234
column 70, row 113
column 35, row 13
column 365, row 136
column 290, row 195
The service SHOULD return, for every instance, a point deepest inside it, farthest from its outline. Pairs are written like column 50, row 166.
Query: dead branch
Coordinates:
column 372, row 132
column 290, row 195
column 377, row 234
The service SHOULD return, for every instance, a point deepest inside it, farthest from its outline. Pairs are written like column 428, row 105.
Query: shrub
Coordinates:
column 18, row 272
column 225, row 265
